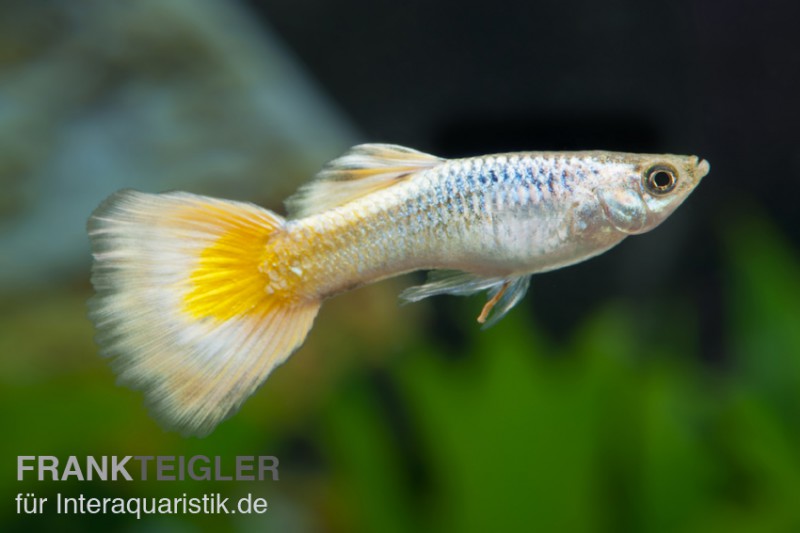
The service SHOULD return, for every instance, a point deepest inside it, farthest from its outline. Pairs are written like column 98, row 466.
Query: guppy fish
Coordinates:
column 199, row 299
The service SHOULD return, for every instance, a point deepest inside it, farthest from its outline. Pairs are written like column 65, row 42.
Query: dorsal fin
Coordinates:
column 363, row 169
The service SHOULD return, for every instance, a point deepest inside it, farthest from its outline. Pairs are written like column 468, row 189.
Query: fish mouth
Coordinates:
column 701, row 167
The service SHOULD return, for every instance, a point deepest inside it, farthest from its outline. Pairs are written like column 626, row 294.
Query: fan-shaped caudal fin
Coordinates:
column 181, row 305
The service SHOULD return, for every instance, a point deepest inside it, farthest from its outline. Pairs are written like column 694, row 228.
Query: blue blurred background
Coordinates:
column 655, row 388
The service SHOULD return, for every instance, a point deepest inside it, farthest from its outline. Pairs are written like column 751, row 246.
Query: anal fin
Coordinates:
column 503, row 298
column 503, row 292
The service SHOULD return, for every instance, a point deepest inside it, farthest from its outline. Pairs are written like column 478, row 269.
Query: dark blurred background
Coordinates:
column 654, row 388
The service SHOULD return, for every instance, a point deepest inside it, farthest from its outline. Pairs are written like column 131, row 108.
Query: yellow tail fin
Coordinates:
column 181, row 304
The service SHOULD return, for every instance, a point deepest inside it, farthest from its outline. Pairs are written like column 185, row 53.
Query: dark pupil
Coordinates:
column 662, row 179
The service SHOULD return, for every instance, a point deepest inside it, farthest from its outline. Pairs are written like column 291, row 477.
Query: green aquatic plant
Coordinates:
column 619, row 429
column 623, row 426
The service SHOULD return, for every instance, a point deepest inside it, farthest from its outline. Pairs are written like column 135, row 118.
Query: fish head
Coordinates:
column 649, row 190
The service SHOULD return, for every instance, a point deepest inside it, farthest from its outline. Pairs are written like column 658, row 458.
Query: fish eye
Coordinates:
column 660, row 179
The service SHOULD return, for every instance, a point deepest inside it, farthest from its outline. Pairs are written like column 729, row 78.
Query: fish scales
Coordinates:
column 433, row 229
column 199, row 299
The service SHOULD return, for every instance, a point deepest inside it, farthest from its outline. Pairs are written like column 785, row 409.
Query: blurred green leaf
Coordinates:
column 622, row 427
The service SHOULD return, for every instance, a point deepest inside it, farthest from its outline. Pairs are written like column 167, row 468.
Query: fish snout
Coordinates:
column 701, row 167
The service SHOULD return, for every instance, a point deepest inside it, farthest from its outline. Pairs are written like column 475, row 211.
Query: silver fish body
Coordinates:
column 199, row 299
column 494, row 217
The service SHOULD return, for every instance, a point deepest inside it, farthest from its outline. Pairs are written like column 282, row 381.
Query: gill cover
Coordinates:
column 624, row 209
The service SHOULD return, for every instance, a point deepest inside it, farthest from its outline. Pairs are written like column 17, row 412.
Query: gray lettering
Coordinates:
column 244, row 464
column 143, row 460
column 218, row 468
column 163, row 465
column 118, row 467
column 205, row 470
column 267, row 462
column 21, row 466
column 73, row 468
column 52, row 467
column 93, row 468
